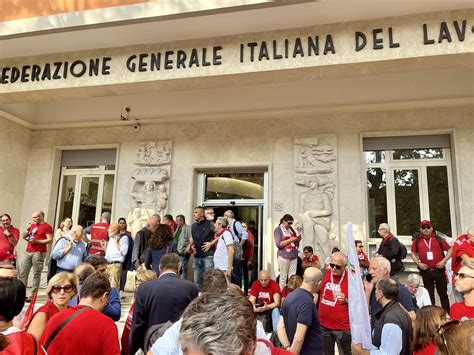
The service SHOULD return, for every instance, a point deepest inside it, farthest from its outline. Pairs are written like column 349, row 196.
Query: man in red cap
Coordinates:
column 428, row 252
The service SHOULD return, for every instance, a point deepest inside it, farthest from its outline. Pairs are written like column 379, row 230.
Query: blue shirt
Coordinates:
column 299, row 307
column 69, row 261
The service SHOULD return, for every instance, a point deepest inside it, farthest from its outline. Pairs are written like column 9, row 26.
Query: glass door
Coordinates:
column 84, row 194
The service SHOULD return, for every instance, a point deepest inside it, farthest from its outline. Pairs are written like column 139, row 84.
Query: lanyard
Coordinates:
column 340, row 281
column 428, row 245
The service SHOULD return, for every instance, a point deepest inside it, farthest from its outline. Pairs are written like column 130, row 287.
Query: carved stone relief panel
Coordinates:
column 149, row 182
column 315, row 177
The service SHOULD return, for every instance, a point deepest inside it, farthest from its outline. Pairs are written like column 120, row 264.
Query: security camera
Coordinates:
column 136, row 127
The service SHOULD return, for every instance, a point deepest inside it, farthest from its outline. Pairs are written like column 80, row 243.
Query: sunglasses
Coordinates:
column 290, row 223
column 334, row 266
column 446, row 327
column 57, row 289
column 462, row 275
column 425, row 227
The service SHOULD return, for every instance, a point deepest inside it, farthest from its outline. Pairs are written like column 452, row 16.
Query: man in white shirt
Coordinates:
column 224, row 254
column 419, row 292
column 115, row 251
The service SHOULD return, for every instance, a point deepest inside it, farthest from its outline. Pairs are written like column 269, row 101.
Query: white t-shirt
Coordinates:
column 221, row 255
column 422, row 297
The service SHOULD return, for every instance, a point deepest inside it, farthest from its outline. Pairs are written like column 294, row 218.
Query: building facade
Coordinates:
column 326, row 112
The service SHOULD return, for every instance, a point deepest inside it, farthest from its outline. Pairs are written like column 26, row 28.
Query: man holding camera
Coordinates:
column 38, row 235
column 265, row 297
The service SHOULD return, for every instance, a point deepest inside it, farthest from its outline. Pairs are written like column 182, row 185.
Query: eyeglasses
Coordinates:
column 425, row 227
column 462, row 275
column 67, row 289
column 334, row 266
column 446, row 327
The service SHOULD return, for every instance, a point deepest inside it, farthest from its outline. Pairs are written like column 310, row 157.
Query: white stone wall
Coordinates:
column 264, row 140
column 15, row 144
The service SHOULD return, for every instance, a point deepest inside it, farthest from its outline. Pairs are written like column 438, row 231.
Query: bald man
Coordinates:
column 70, row 252
column 141, row 241
column 298, row 328
column 265, row 297
column 38, row 235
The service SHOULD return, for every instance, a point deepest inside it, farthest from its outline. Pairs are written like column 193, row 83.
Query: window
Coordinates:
column 406, row 185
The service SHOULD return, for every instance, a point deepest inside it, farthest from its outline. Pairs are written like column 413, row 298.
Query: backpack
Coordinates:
column 238, row 251
column 402, row 251
column 417, row 239
column 154, row 333
column 53, row 263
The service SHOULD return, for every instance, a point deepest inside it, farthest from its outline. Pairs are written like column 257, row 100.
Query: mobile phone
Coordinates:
column 368, row 277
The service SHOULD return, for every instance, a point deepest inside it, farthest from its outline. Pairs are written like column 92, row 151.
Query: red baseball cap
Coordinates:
column 5, row 254
column 425, row 222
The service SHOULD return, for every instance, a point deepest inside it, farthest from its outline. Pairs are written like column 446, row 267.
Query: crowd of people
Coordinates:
column 219, row 309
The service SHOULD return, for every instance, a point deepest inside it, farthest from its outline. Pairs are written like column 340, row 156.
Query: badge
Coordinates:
column 429, row 255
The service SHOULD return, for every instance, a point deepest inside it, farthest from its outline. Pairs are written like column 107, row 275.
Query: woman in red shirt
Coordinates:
column 428, row 319
column 60, row 290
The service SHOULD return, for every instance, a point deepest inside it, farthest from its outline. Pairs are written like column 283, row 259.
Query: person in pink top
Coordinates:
column 287, row 240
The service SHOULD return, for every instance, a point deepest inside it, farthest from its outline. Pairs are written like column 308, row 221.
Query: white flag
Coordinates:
column 358, row 309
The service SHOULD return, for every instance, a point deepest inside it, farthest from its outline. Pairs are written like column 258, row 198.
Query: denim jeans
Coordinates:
column 200, row 265
column 184, row 265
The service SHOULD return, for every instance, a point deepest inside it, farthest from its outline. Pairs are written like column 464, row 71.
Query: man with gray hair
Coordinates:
column 380, row 269
column 71, row 251
column 98, row 232
column 421, row 295
column 390, row 249
column 141, row 241
column 224, row 253
column 240, row 236
column 206, row 327
column 465, row 285
column 298, row 328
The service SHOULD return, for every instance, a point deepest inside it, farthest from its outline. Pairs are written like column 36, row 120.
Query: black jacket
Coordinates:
column 393, row 313
column 390, row 250
column 159, row 301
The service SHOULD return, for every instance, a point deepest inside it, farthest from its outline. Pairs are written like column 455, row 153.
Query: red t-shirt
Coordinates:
column 333, row 314
column 22, row 343
column 4, row 243
column 461, row 312
column 312, row 259
column 430, row 244
column 461, row 247
column 39, row 232
column 99, row 231
column 428, row 349
column 264, row 294
column 88, row 333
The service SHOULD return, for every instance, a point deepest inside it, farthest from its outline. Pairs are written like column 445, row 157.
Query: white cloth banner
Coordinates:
column 358, row 309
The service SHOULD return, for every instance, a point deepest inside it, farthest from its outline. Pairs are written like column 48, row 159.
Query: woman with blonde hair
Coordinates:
column 428, row 320
column 60, row 290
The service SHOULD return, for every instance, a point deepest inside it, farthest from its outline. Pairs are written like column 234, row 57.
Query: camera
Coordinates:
column 136, row 127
